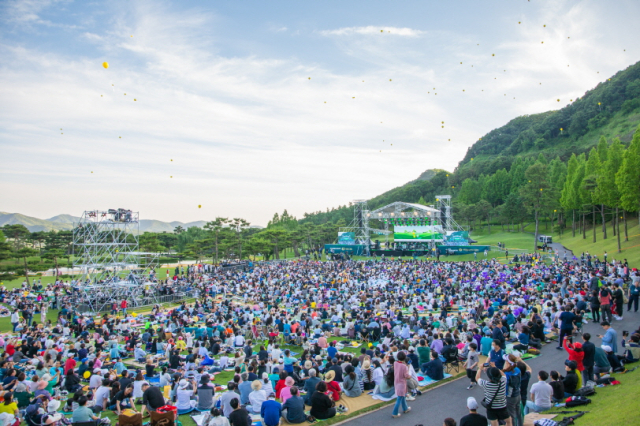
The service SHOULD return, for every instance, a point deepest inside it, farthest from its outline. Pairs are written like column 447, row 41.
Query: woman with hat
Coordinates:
column 184, row 394
column 258, row 396
column 285, row 392
column 332, row 386
column 366, row 375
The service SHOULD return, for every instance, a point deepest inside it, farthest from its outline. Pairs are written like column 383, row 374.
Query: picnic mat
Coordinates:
column 352, row 404
column 428, row 380
column 532, row 417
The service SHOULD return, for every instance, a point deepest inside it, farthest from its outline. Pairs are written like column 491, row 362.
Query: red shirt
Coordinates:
column 10, row 350
column 123, row 305
column 69, row 364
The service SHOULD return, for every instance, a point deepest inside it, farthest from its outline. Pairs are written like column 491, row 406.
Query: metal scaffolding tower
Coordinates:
column 444, row 214
column 106, row 249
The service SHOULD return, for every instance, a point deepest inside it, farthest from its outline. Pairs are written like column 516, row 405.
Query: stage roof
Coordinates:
column 401, row 209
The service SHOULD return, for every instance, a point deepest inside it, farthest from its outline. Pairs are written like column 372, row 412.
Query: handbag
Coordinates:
column 488, row 405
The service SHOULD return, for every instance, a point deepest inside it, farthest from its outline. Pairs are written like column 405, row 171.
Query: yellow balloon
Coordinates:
column 105, row 65
column 87, row 374
column 133, row 314
column 199, row 206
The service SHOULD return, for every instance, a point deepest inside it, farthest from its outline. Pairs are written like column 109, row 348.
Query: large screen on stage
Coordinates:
column 347, row 238
column 416, row 233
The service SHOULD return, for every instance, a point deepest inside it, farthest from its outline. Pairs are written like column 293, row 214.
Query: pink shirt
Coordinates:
column 400, row 373
column 285, row 394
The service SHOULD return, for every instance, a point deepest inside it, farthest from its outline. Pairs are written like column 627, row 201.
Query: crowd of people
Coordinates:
column 278, row 328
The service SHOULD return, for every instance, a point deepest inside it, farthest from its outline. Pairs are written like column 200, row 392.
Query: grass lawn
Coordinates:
column 611, row 405
column 630, row 249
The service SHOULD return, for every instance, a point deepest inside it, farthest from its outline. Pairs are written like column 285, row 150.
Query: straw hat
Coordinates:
column 307, row 364
column 256, row 385
column 366, row 365
column 330, row 376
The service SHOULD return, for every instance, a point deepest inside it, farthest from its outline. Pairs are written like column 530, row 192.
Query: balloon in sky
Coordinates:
column 105, row 65
column 199, row 206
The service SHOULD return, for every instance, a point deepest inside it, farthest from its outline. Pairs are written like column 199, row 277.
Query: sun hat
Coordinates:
column 53, row 406
column 183, row 384
column 366, row 365
column 256, row 385
column 330, row 376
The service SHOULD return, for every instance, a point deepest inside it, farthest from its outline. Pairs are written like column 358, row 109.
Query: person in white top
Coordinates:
column 239, row 341
column 257, row 397
column 541, row 393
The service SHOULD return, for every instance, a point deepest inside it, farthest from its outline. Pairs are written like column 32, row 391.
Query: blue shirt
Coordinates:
column 610, row 338
column 332, row 351
column 496, row 358
column 270, row 412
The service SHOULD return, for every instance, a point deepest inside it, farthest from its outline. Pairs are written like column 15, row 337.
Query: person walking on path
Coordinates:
column 401, row 374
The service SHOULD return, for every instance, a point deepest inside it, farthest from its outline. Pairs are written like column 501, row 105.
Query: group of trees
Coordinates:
column 22, row 250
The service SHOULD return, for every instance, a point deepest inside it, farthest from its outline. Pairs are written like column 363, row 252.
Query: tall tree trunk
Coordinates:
column 26, row 271
column 573, row 224
column 594, row 222
column 617, row 222
column 604, row 223
column 535, row 238
column 626, row 232
column 57, row 272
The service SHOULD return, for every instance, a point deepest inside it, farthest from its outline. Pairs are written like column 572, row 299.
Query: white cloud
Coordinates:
column 252, row 134
column 373, row 30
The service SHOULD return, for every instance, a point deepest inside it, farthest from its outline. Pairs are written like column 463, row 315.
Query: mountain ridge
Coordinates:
column 64, row 222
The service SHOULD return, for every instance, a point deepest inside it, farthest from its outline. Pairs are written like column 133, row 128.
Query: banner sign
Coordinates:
column 347, row 238
column 412, row 234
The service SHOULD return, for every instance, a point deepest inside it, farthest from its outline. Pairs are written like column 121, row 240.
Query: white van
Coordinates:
column 545, row 239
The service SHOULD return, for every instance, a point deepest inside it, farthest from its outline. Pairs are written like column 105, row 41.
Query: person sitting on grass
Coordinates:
column 293, row 409
column 434, row 369
column 123, row 399
column 83, row 413
column 322, row 407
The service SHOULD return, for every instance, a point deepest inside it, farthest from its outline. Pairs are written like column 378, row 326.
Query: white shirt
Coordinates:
column 256, row 398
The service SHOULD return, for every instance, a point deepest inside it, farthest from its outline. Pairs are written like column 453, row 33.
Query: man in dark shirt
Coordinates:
column 589, row 350
column 125, row 380
column 239, row 416
column 293, row 408
column 215, row 348
column 566, row 327
column 473, row 418
column 434, row 368
column 570, row 381
column 335, row 366
column 152, row 398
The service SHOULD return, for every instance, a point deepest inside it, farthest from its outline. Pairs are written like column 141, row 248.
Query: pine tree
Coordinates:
column 538, row 194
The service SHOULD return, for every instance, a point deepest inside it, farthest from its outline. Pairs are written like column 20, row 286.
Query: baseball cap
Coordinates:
column 472, row 404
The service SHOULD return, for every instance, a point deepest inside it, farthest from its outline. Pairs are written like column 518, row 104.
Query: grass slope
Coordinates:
column 611, row 405
column 630, row 249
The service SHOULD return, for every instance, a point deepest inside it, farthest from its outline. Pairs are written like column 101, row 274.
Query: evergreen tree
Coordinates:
column 628, row 177
column 538, row 194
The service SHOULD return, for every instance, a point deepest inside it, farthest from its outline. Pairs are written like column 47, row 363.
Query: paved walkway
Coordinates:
column 449, row 400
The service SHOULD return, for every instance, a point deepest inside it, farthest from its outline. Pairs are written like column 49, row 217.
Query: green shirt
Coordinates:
column 424, row 354
column 82, row 414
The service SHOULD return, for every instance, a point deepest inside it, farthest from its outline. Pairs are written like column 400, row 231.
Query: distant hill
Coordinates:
column 429, row 174
column 64, row 222
column 33, row 224
column 611, row 109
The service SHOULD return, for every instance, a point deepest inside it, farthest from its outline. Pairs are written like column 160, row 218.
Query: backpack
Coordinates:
column 585, row 391
column 575, row 401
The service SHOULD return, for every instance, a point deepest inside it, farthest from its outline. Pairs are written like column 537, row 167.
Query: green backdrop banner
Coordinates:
column 351, row 249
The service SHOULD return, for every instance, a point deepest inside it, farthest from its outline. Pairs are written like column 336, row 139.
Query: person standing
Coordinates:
column 473, row 418
column 15, row 320
column 605, row 304
column 634, row 294
column 123, row 306
column 401, row 374
column 566, row 325
column 589, row 350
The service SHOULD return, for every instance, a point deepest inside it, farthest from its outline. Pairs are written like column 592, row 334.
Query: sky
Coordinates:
column 244, row 109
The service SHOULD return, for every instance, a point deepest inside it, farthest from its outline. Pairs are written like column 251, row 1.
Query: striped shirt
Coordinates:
column 490, row 390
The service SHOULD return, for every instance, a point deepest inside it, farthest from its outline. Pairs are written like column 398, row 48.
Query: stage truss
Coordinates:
column 106, row 249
